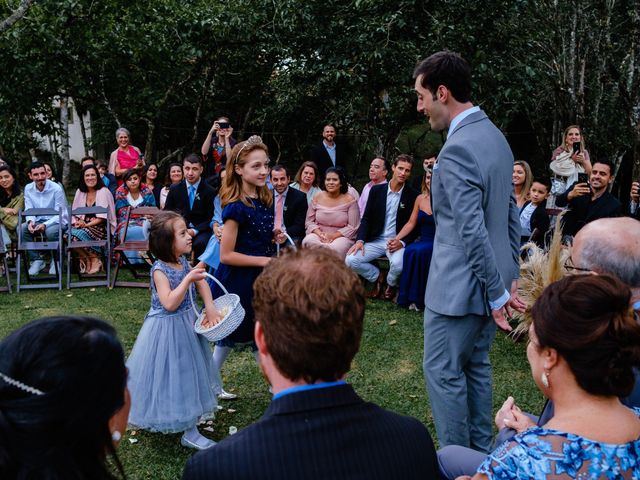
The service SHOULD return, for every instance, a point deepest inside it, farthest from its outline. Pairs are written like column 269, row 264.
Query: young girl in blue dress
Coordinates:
column 171, row 374
column 247, row 243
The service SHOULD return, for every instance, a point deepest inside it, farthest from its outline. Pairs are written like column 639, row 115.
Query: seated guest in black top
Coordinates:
column 389, row 207
column 292, row 209
column 589, row 201
column 427, row 164
column 193, row 199
column 316, row 426
column 64, row 400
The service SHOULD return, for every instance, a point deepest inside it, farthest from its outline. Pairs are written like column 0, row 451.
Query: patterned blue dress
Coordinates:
column 541, row 453
column 255, row 235
column 172, row 378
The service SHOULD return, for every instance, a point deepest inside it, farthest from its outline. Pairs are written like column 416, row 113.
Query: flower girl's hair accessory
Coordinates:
column 20, row 385
column 252, row 140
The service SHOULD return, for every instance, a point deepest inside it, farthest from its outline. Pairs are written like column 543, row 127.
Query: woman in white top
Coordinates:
column 306, row 180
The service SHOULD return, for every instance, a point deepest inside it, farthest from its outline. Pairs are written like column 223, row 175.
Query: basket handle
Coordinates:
column 193, row 303
column 293, row 244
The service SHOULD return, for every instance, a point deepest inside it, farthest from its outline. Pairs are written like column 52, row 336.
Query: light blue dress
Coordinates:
column 211, row 254
column 541, row 453
column 172, row 378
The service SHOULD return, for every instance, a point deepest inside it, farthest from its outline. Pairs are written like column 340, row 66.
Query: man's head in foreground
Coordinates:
column 309, row 310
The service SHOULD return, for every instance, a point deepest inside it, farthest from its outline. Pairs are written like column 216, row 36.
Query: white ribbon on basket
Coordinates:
column 232, row 319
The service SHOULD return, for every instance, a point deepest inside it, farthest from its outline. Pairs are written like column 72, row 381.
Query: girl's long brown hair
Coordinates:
column 231, row 189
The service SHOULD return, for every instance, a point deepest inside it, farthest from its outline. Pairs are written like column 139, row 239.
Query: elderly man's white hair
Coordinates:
column 611, row 246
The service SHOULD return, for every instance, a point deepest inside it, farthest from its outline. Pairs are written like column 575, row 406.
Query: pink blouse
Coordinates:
column 344, row 218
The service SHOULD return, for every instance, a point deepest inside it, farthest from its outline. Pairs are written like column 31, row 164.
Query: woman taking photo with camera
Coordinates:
column 215, row 151
column 568, row 160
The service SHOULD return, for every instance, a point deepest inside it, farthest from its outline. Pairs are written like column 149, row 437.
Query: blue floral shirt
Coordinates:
column 542, row 453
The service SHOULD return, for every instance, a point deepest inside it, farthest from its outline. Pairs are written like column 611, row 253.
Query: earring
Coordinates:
column 545, row 379
column 116, row 436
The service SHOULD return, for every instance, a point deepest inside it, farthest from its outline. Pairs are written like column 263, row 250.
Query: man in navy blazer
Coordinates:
column 328, row 153
column 475, row 264
column 294, row 203
column 316, row 427
column 193, row 199
column 388, row 209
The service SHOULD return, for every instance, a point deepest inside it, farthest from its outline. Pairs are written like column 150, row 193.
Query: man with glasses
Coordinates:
column 608, row 246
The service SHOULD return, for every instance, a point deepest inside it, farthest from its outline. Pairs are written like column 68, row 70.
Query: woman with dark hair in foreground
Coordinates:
column 583, row 345
column 64, row 404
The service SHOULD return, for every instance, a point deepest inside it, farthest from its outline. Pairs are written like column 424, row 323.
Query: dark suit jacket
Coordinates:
column 327, row 433
column 539, row 220
column 321, row 158
column 295, row 213
column 372, row 223
column 582, row 210
column 201, row 214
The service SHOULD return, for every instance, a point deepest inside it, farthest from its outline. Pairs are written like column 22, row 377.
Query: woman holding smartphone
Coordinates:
column 215, row 151
column 568, row 160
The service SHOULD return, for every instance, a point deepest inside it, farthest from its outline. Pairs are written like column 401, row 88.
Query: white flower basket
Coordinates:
column 232, row 320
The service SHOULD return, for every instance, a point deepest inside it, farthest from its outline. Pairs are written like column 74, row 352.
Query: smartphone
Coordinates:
column 583, row 178
column 223, row 125
column 576, row 147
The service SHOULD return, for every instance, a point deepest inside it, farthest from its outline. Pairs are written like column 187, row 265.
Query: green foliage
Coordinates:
column 167, row 69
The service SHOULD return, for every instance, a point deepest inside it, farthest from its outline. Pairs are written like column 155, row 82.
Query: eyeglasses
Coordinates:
column 568, row 265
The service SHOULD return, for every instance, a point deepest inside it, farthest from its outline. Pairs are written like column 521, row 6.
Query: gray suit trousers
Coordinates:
column 457, row 373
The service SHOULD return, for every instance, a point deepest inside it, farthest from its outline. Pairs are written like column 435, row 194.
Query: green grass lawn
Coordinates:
column 387, row 370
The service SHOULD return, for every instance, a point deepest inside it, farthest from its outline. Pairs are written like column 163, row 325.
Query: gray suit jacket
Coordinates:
column 475, row 254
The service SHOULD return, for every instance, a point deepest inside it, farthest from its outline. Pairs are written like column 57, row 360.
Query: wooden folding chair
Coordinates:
column 54, row 247
column 132, row 245
column 93, row 280
column 5, row 265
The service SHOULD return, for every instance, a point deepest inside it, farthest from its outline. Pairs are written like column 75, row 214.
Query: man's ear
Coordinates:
column 260, row 341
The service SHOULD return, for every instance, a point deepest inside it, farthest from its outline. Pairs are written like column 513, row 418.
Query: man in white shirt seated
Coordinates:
column 42, row 193
column 378, row 171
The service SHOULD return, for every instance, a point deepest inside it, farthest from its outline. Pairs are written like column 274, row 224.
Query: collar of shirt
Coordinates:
column 276, row 195
column 196, row 185
column 329, row 147
column 304, row 388
column 461, row 116
column 636, row 306
column 389, row 191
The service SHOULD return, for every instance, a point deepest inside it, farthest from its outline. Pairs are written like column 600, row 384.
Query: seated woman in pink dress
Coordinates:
column 333, row 217
column 124, row 157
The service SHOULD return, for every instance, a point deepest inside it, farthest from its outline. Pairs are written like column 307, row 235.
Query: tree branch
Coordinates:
column 18, row 13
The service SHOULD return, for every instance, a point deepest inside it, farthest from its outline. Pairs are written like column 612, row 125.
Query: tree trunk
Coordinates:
column 64, row 140
column 83, row 131
column 148, row 149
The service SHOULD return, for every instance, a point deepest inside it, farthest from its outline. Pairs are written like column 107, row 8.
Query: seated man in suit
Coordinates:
column 290, row 205
column 316, row 427
column 193, row 199
column 389, row 207
column 378, row 171
column 328, row 153
column 589, row 201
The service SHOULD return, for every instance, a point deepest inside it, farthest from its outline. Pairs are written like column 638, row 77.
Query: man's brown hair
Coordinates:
column 311, row 308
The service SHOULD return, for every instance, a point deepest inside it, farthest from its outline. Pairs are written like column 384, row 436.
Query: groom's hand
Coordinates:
column 499, row 316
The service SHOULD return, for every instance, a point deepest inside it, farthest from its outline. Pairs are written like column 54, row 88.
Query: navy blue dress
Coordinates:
column 416, row 262
column 255, row 235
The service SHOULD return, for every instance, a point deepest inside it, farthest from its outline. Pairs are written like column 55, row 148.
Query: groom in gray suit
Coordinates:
column 473, row 275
